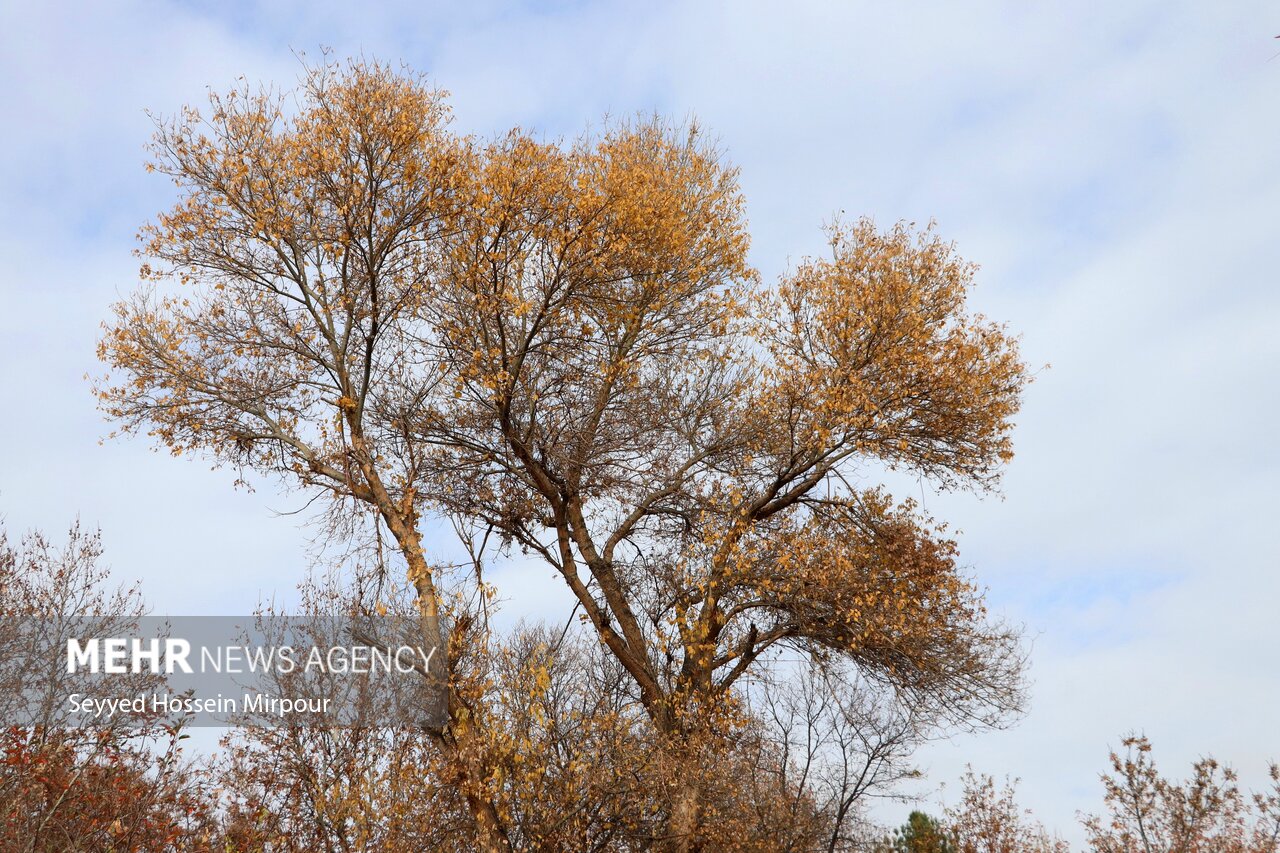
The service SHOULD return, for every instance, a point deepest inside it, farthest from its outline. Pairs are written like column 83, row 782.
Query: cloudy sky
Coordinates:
column 1112, row 167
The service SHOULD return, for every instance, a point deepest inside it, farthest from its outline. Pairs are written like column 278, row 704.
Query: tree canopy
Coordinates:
column 563, row 345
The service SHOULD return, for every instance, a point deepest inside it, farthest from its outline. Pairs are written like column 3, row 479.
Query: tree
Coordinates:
column 65, row 785
column 564, row 345
column 988, row 820
column 841, row 741
column 920, row 834
column 1207, row 813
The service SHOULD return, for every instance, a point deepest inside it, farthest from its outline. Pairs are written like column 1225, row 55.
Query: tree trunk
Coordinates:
column 451, row 736
column 685, row 812
column 489, row 834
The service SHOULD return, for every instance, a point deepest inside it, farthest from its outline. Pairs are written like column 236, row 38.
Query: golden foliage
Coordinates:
column 565, row 344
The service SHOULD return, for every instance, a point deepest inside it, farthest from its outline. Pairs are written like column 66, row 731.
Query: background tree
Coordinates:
column 564, row 345
column 65, row 785
column 1148, row 813
column 572, row 763
column 989, row 820
column 920, row 834
column 841, row 741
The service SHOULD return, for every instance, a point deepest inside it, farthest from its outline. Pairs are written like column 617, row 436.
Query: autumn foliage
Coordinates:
column 571, row 758
column 1206, row 813
column 63, row 787
column 562, row 347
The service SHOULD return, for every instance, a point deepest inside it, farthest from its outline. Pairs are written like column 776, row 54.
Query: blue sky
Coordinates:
column 1112, row 167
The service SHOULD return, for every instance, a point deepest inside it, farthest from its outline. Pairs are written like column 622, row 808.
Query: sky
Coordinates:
column 1112, row 168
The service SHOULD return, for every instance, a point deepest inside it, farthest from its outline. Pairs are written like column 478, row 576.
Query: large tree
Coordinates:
column 564, row 345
